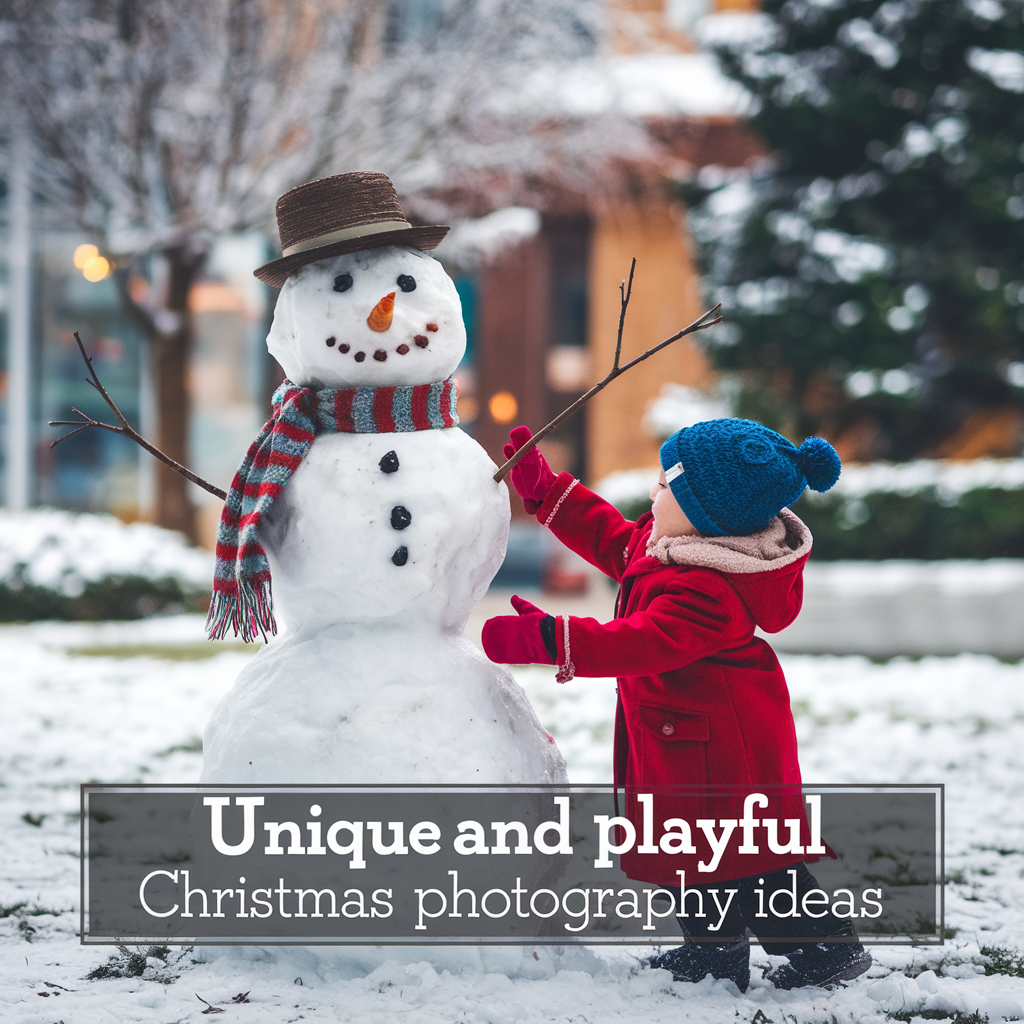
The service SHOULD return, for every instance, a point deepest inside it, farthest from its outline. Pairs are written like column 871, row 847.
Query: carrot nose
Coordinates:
column 380, row 316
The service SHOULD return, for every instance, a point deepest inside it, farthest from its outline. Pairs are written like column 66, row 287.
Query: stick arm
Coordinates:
column 708, row 319
column 125, row 429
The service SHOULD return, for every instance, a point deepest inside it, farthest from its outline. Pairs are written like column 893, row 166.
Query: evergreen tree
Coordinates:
column 871, row 266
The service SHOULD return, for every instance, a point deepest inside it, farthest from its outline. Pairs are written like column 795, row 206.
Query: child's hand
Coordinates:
column 532, row 476
column 519, row 639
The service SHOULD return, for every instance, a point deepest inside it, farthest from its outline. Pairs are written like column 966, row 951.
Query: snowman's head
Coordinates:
column 379, row 317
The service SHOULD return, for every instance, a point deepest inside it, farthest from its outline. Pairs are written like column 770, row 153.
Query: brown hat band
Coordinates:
column 359, row 231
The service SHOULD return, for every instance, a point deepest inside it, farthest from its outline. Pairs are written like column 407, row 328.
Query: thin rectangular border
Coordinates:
column 938, row 789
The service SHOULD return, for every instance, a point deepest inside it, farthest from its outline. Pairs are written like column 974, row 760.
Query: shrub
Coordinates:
column 59, row 565
column 920, row 510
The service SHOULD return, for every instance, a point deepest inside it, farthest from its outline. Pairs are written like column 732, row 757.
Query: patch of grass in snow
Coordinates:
column 193, row 746
column 153, row 963
column 842, row 716
column 165, row 652
column 1003, row 851
column 956, row 1017
column 24, row 910
column 1003, row 961
column 891, row 871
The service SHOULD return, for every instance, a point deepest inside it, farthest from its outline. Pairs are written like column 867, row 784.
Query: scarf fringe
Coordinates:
column 246, row 609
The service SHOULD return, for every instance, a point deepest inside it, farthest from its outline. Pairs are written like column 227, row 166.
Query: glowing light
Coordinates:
column 83, row 254
column 96, row 269
column 503, row 407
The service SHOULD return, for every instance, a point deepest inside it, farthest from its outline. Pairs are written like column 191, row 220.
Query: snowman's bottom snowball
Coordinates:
column 364, row 705
column 397, row 965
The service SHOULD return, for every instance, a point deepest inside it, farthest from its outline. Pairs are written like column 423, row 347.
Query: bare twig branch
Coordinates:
column 709, row 319
column 125, row 429
column 625, row 293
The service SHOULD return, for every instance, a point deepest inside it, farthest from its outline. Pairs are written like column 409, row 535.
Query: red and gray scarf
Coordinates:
column 241, row 597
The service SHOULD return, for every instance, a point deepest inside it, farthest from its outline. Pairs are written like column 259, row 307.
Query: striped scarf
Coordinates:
column 241, row 597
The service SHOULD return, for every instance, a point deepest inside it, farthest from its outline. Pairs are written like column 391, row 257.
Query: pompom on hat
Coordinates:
column 731, row 477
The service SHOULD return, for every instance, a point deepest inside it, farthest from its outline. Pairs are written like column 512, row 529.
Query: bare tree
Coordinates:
column 165, row 123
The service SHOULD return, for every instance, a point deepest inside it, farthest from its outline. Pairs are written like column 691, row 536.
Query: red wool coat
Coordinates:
column 702, row 701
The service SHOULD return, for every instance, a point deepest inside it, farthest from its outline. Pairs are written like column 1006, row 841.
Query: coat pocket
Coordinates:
column 673, row 753
column 673, row 725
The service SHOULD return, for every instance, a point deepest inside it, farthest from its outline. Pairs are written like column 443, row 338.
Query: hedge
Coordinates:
column 983, row 522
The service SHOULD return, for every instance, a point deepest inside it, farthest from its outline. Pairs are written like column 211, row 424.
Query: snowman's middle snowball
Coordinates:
column 311, row 310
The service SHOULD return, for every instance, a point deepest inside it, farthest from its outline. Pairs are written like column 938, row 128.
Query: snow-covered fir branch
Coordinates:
column 882, row 232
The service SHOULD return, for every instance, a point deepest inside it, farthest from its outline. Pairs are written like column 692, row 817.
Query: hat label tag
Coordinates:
column 674, row 471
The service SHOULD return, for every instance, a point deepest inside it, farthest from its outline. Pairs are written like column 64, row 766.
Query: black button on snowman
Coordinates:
column 401, row 517
column 371, row 679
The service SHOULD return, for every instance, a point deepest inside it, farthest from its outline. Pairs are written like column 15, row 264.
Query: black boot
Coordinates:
column 696, row 959
column 825, row 963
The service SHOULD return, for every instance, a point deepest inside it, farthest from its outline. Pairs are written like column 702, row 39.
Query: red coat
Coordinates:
column 702, row 701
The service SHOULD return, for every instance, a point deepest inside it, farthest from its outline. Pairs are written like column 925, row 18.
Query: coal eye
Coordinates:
column 343, row 282
column 406, row 283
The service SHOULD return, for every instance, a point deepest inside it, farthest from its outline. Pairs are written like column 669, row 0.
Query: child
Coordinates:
column 701, row 700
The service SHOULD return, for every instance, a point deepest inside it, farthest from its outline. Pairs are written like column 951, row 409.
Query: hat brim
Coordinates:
column 423, row 238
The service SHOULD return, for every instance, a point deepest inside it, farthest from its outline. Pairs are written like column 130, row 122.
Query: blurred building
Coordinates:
column 542, row 305
column 546, row 306
column 96, row 470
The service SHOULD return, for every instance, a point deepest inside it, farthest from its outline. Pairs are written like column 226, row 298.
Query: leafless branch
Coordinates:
column 709, row 319
column 625, row 292
column 125, row 429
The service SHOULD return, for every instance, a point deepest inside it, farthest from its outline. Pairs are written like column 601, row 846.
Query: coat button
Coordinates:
column 668, row 728
column 401, row 517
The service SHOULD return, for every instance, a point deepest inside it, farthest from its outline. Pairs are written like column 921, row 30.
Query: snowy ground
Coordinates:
column 127, row 702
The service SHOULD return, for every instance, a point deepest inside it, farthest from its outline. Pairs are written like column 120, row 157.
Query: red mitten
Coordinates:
column 518, row 639
column 532, row 476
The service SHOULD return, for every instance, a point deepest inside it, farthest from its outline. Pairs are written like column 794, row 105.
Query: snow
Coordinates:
column 110, row 702
column 861, row 35
column 1004, row 67
column 476, row 240
column 643, row 85
column 688, row 84
column 851, row 257
column 678, row 406
column 63, row 551
column 627, row 484
column 739, row 29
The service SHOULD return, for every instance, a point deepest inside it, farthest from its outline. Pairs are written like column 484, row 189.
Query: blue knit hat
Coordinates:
column 731, row 477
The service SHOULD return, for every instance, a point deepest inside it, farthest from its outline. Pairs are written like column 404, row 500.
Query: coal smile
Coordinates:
column 380, row 354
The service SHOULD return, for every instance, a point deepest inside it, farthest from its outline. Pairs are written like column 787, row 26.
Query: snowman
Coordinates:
column 364, row 525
